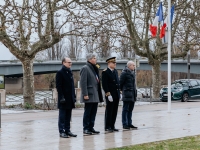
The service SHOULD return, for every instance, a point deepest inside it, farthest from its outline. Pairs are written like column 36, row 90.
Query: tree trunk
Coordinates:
column 28, row 82
column 53, row 53
column 156, row 77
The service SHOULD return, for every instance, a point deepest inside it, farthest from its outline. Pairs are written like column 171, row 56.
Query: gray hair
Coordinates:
column 90, row 56
column 129, row 63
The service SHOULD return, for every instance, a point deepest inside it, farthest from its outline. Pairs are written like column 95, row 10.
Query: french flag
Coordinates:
column 165, row 24
column 158, row 18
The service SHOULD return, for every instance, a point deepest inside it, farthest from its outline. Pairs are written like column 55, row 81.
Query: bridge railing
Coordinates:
column 40, row 95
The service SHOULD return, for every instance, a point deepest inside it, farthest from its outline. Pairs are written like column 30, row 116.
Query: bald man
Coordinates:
column 129, row 94
column 66, row 97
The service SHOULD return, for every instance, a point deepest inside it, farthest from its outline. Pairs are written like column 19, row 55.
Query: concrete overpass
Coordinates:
column 14, row 68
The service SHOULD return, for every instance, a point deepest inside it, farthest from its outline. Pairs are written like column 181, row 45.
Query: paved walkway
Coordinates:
column 37, row 130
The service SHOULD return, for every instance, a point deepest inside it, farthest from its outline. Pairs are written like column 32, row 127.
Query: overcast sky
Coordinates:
column 5, row 53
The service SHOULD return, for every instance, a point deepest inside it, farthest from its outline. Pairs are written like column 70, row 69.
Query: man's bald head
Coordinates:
column 131, row 65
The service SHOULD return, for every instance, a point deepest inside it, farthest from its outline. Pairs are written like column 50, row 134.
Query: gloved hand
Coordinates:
column 120, row 97
column 110, row 98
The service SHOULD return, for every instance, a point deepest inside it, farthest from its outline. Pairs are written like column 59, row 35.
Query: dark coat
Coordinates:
column 65, row 88
column 110, row 83
column 127, row 85
column 89, row 84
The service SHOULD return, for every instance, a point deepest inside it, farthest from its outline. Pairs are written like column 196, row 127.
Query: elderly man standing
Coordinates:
column 66, row 97
column 110, row 83
column 129, row 94
column 91, row 93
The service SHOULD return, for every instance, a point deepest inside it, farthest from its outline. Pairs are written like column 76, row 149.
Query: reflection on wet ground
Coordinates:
column 38, row 130
column 7, row 111
column 15, row 99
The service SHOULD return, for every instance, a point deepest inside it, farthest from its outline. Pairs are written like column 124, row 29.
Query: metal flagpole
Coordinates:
column 169, row 55
column 188, row 63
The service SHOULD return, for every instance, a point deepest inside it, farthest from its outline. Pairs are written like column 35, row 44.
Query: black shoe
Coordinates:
column 126, row 127
column 64, row 135
column 95, row 132
column 87, row 132
column 115, row 129
column 109, row 130
column 133, row 127
column 71, row 134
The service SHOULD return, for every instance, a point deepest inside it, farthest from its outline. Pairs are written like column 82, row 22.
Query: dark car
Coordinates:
column 182, row 89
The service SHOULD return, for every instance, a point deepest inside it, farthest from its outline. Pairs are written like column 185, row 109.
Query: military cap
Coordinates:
column 111, row 59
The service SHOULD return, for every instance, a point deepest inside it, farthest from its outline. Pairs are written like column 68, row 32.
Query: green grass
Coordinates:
column 186, row 143
column 1, row 86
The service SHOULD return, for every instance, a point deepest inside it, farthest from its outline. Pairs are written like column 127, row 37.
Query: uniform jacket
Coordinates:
column 110, row 83
column 90, row 84
column 65, row 88
column 127, row 85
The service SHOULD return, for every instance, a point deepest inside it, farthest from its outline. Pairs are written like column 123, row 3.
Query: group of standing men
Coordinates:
column 91, row 94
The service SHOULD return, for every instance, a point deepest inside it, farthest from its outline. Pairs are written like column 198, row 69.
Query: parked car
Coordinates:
column 182, row 89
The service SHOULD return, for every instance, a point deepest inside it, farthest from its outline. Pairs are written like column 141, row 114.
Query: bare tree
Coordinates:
column 89, row 41
column 103, row 46
column 125, row 50
column 137, row 16
column 56, row 52
column 74, row 45
column 28, row 27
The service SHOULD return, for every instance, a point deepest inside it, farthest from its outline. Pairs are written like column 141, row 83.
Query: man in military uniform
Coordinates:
column 111, row 87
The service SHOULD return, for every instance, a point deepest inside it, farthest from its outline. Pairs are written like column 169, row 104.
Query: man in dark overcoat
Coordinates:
column 111, row 87
column 66, row 97
column 129, row 94
column 91, row 93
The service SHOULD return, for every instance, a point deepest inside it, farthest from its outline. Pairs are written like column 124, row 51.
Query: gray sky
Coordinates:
column 5, row 53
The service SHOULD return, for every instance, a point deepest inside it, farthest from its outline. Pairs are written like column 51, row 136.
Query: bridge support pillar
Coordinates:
column 3, row 96
column 55, row 94
column 78, row 95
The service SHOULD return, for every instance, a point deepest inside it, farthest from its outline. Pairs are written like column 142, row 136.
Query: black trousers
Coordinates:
column 111, row 113
column 127, row 113
column 90, row 111
column 64, row 119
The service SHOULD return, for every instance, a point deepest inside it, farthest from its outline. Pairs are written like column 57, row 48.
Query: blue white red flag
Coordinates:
column 165, row 24
column 158, row 18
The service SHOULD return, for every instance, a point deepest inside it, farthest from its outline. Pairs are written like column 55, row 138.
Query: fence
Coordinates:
column 43, row 98
column 146, row 94
column 47, row 99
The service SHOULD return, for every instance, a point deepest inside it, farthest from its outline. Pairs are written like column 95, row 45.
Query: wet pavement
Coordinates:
column 37, row 130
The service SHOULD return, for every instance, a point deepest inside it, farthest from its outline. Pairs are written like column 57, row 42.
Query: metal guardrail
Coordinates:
column 39, row 96
column 42, row 97
column 143, row 93
column 43, row 94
